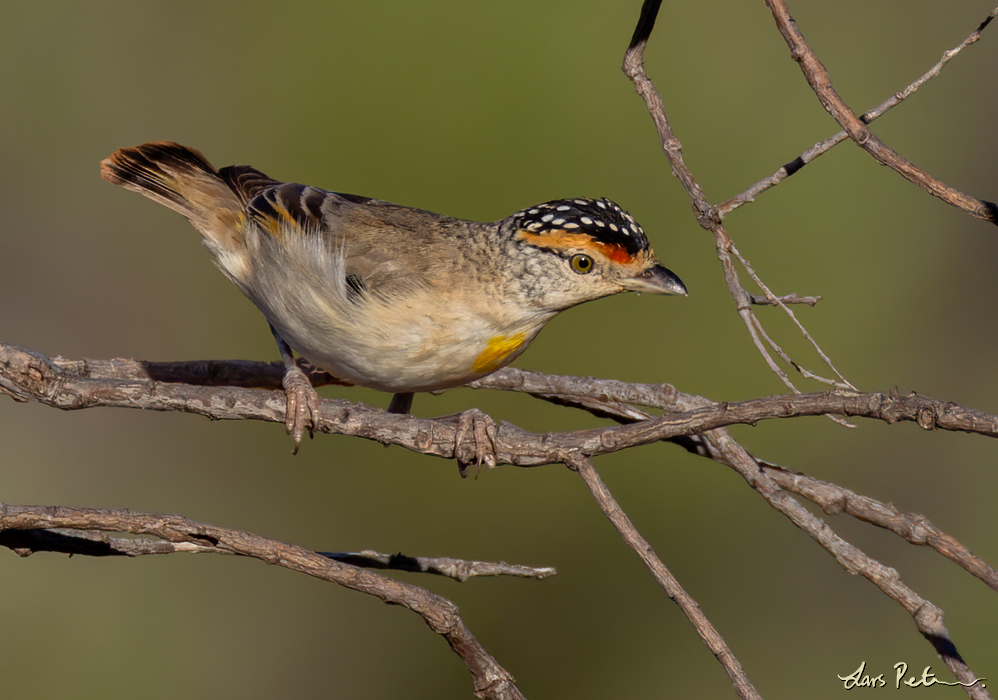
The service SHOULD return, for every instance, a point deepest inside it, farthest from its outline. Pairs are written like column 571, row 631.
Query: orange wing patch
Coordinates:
column 277, row 219
column 287, row 207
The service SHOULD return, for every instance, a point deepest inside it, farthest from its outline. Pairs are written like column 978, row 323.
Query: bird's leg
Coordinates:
column 401, row 403
column 302, row 400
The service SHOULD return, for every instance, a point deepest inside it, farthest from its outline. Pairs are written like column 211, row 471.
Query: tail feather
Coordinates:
column 182, row 179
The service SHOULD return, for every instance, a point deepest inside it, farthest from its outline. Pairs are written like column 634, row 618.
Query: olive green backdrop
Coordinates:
column 477, row 110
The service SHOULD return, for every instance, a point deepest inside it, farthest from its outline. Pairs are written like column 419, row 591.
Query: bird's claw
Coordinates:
column 302, row 405
column 480, row 449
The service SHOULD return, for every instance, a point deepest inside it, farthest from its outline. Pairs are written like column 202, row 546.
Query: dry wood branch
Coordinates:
column 634, row 69
column 913, row 527
column 663, row 396
column 27, row 375
column 769, row 481
column 101, row 544
column 822, row 147
column 792, row 298
column 457, row 569
column 708, row 633
column 612, row 399
column 707, row 215
column 491, row 680
column 819, row 80
column 928, row 618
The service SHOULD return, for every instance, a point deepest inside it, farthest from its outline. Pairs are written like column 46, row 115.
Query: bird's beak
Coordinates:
column 655, row 280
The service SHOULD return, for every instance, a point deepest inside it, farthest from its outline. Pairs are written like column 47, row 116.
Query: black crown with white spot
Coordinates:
column 600, row 218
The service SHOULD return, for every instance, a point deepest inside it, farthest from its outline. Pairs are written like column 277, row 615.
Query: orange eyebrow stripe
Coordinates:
column 565, row 239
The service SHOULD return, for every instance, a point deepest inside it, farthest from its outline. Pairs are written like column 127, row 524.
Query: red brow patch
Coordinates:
column 616, row 253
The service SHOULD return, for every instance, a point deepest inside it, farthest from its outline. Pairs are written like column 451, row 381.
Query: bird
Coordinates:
column 390, row 297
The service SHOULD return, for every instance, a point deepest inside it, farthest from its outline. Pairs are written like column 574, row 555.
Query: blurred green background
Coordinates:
column 477, row 110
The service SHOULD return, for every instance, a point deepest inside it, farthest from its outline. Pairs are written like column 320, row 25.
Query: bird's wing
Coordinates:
column 384, row 247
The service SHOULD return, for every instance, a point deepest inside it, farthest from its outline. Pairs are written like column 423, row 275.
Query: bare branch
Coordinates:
column 634, row 69
column 707, row 215
column 819, row 80
column 821, row 147
column 928, row 618
column 94, row 544
column 27, row 375
column 101, row 544
column 708, row 633
column 491, row 680
column 607, row 401
column 768, row 479
column 913, row 527
column 457, row 569
column 791, row 298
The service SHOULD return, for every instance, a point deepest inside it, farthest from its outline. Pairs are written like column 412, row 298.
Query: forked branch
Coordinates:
column 821, row 147
column 491, row 680
column 819, row 80
column 709, row 217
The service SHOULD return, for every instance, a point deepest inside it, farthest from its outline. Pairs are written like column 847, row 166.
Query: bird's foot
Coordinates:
column 302, row 405
column 474, row 434
column 474, row 440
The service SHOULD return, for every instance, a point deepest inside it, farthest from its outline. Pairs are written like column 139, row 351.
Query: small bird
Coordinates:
column 385, row 296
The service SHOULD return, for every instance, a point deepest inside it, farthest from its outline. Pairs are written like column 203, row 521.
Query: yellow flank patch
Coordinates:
column 496, row 351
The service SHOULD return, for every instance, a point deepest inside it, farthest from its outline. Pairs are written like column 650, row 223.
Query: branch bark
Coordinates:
column 822, row 147
column 708, row 633
column 817, row 77
column 76, row 385
column 697, row 424
column 491, row 680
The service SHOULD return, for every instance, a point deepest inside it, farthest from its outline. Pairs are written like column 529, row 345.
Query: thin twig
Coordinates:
column 792, row 298
column 101, row 544
column 821, row 147
column 707, row 215
column 843, row 382
column 819, row 80
column 708, row 633
column 457, row 569
column 634, row 69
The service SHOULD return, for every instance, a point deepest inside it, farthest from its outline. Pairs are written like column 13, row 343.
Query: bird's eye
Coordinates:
column 582, row 264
